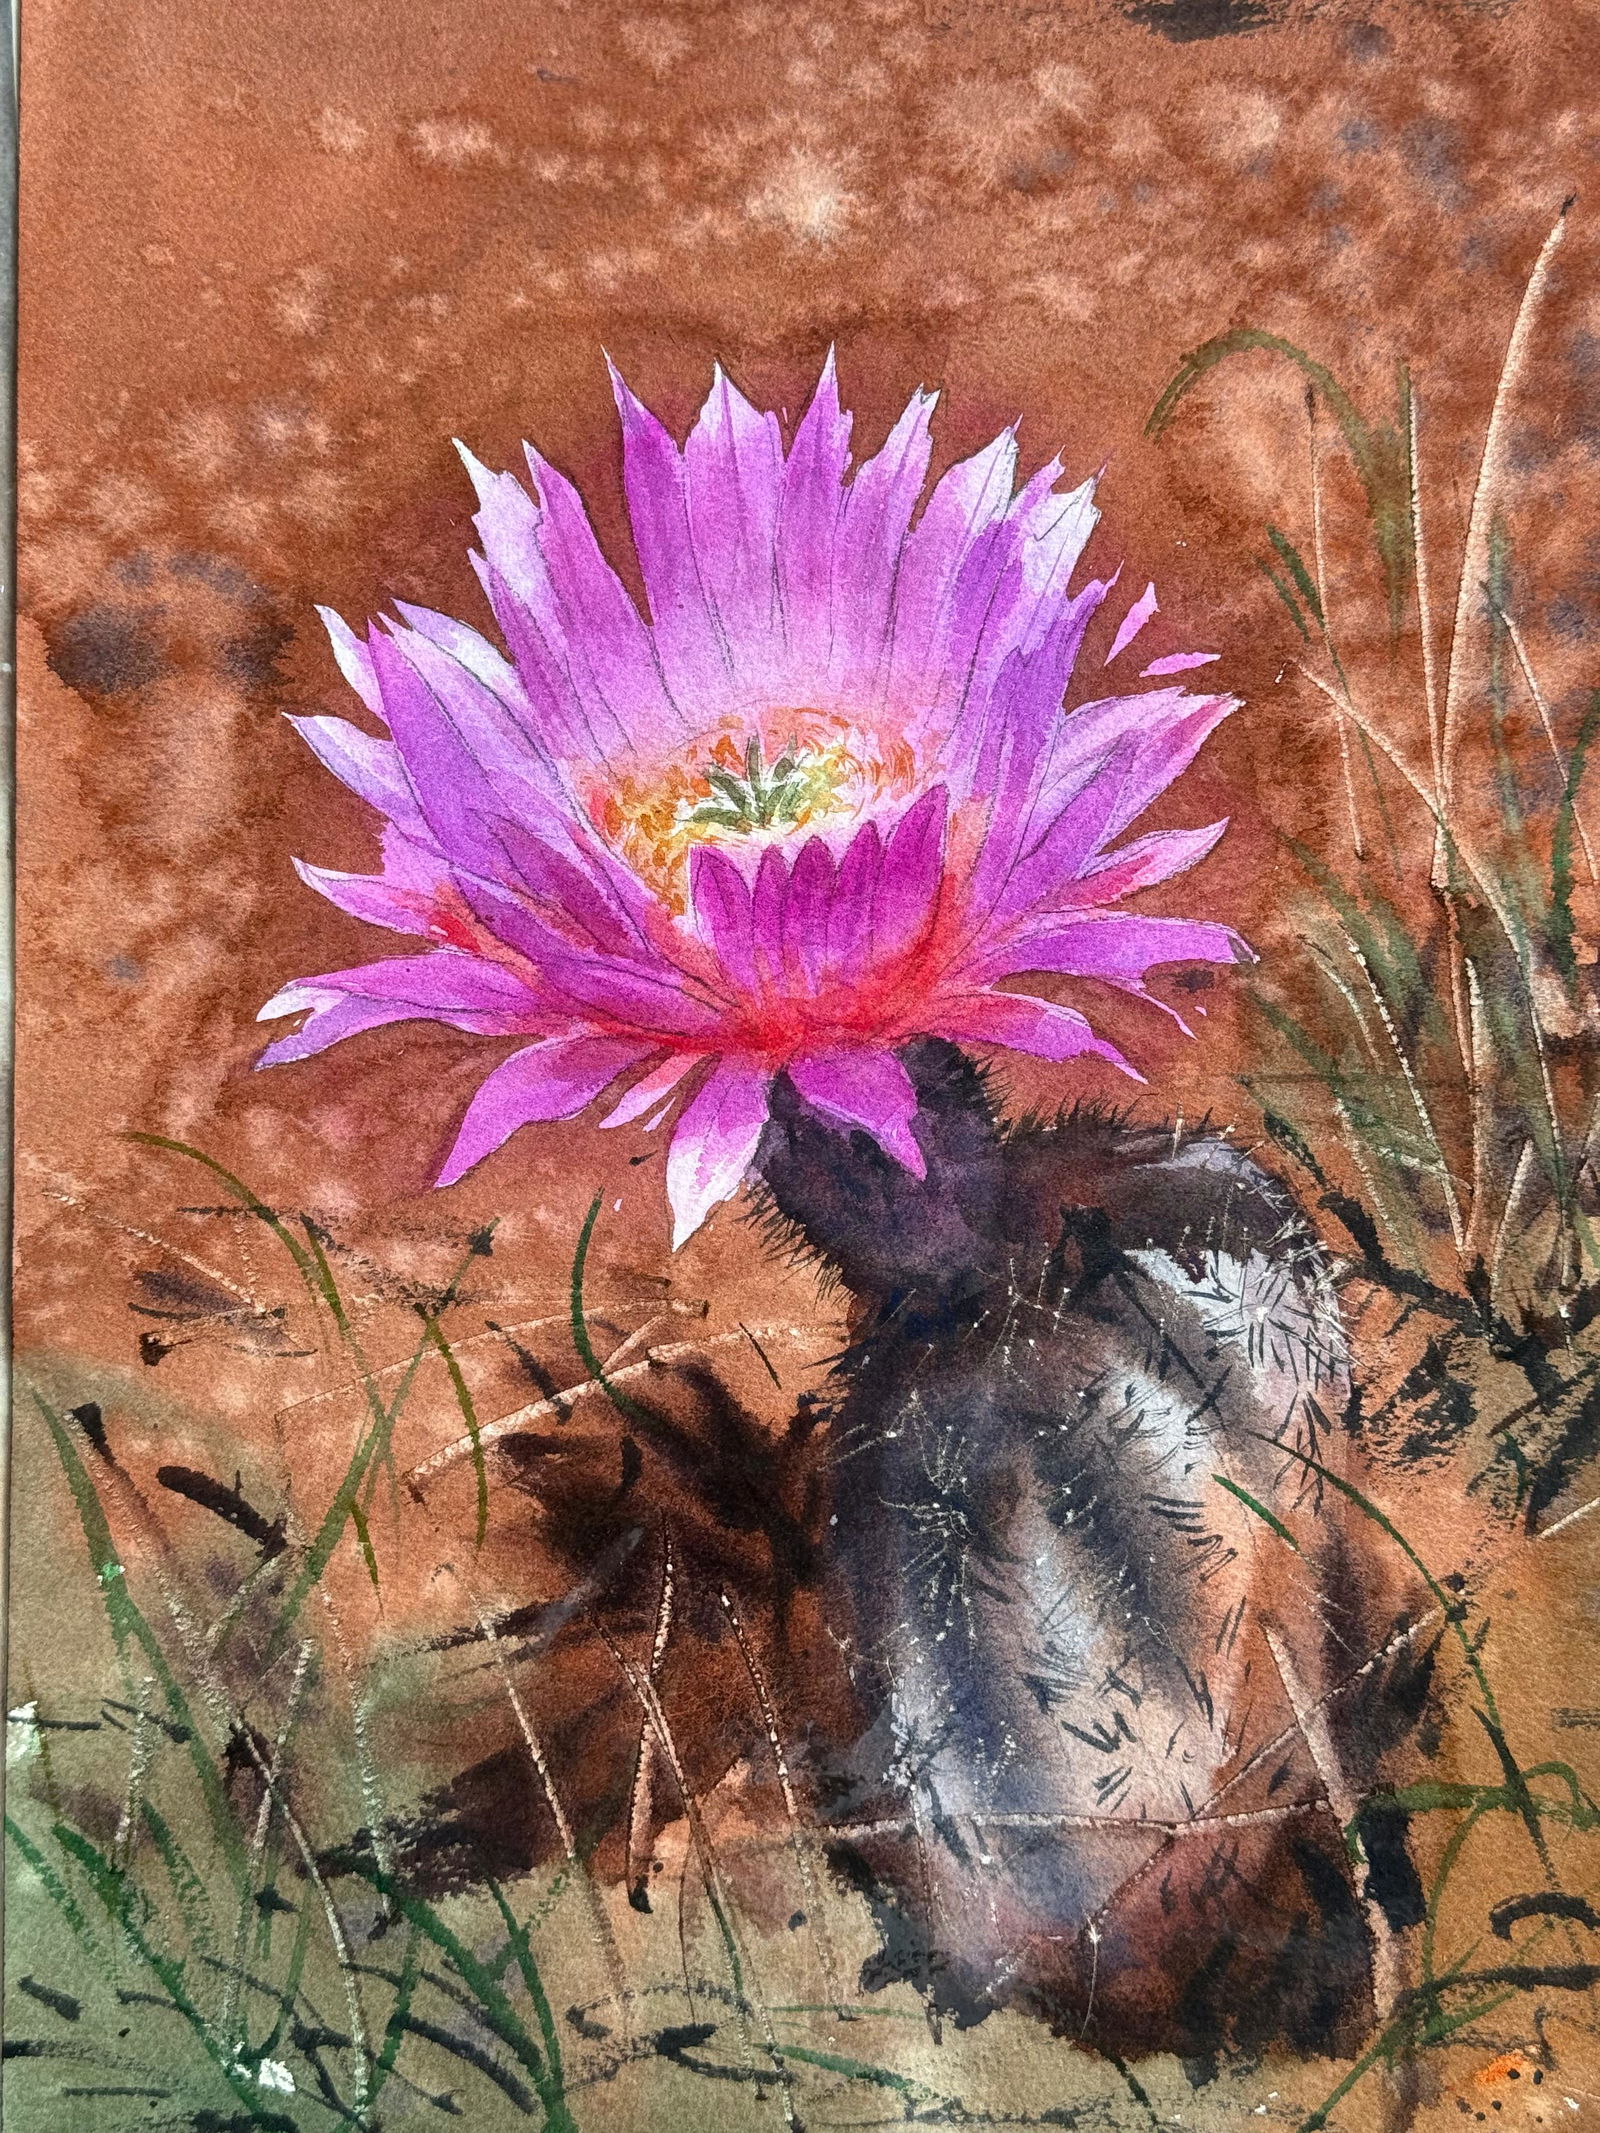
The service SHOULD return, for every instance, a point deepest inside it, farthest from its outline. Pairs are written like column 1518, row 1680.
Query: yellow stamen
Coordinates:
column 742, row 785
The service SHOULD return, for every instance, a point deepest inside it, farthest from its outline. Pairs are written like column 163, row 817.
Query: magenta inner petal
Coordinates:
column 856, row 1086
column 1133, row 622
column 1179, row 663
column 552, row 1080
column 723, row 913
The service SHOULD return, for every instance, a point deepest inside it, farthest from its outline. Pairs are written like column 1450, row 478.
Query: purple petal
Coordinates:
column 334, row 1017
column 768, row 901
column 463, row 756
column 1010, row 599
column 580, row 895
column 1062, row 852
column 1132, row 623
column 405, row 896
column 443, row 980
column 1178, row 663
column 473, row 767
column 860, row 1086
column 651, row 999
column 470, row 650
column 947, row 575
column 715, row 1141
column 693, row 657
column 850, row 914
column 580, row 644
column 371, row 768
column 555, row 1079
column 733, row 480
column 655, row 1006
column 1004, row 743
column 613, row 653
column 1116, row 947
column 1008, row 750
column 1147, row 860
column 444, row 986
column 721, row 901
column 353, row 658
column 1054, row 531
column 808, row 520
column 872, row 530
column 1023, row 1025
column 1169, row 728
column 910, row 878
column 812, row 882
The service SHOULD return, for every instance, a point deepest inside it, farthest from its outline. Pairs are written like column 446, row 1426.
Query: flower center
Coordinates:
column 798, row 785
column 741, row 787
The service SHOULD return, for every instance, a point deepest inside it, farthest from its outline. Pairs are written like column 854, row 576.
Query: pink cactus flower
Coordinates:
column 823, row 801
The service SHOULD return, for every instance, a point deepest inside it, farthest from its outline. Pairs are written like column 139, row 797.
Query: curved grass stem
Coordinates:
column 1491, row 470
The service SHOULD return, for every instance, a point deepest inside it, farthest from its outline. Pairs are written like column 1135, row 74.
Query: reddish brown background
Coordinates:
column 275, row 256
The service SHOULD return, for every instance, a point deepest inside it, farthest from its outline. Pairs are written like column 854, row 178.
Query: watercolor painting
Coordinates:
column 807, row 1306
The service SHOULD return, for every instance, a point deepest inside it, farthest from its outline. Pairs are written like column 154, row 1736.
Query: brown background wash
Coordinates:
column 275, row 258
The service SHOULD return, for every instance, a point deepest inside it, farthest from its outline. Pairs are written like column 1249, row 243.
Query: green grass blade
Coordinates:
column 345, row 1509
column 188, row 1884
column 242, row 1193
column 358, row 1519
column 1260, row 1510
column 882, row 2077
column 532, row 1981
column 1561, row 929
column 1304, row 582
column 1379, row 452
column 1387, row 1137
column 469, row 1415
column 629, row 1409
column 122, row 1906
column 129, row 1627
column 58, row 1891
column 493, row 2004
column 1285, row 595
column 1382, row 935
column 399, row 2014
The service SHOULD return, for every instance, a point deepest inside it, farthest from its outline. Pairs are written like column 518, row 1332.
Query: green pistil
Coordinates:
column 762, row 797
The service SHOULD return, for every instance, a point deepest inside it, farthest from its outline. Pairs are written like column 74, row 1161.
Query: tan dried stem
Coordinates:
column 1419, row 551
column 1542, row 707
column 1482, row 877
column 450, row 1455
column 1465, row 847
column 711, row 1874
column 234, row 1978
column 641, row 1803
column 1414, row 1090
column 149, row 1544
column 1491, row 469
column 1465, row 1032
column 1311, row 1720
column 599, row 1923
column 800, row 1837
column 1502, row 1237
column 1319, row 564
